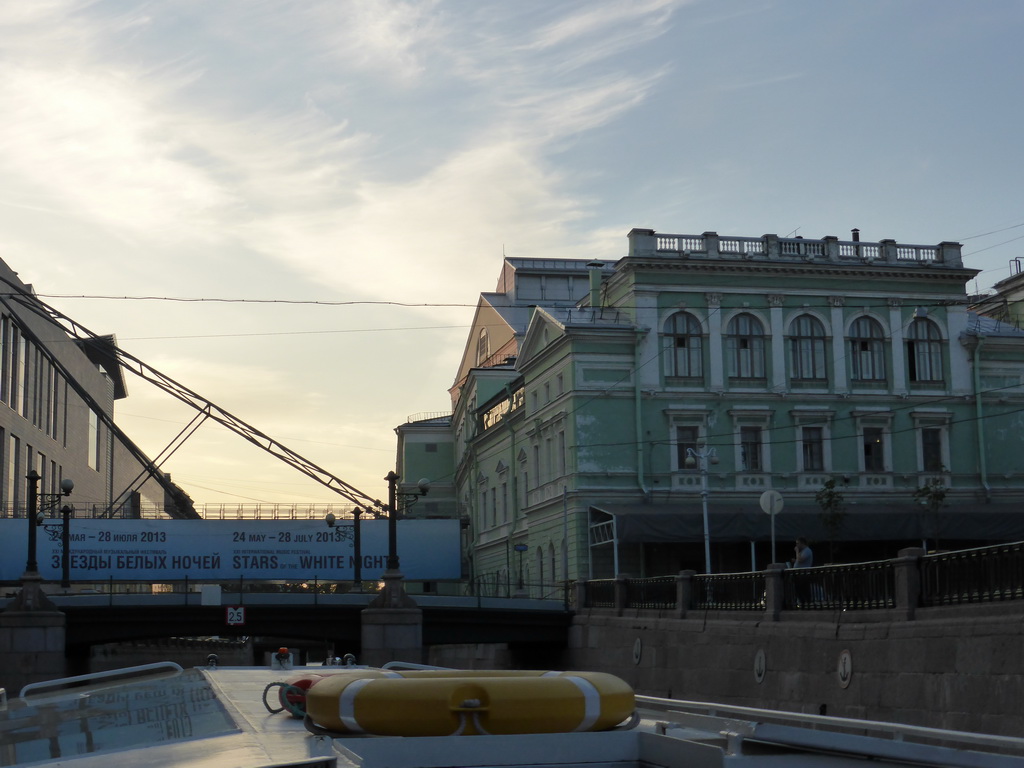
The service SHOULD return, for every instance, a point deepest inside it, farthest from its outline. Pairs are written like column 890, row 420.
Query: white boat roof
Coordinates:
column 201, row 718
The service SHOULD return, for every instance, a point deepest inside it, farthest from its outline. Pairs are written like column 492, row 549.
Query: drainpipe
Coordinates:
column 979, row 421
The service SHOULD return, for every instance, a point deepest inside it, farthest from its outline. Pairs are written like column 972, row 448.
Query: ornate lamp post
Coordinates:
column 35, row 514
column 701, row 456
column 31, row 597
column 394, row 594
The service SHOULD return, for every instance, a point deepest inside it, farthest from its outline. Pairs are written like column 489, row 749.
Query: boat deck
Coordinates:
column 202, row 718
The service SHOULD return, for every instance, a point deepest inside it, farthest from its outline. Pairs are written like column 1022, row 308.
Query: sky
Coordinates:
column 291, row 208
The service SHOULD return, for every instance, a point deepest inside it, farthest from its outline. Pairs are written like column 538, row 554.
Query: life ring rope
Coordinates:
column 293, row 709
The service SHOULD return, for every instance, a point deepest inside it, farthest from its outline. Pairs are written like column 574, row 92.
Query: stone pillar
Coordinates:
column 391, row 627
column 777, row 341
column 642, row 242
column 889, row 254
column 580, row 588
column 950, row 254
column 896, row 344
column 840, row 384
column 831, row 247
column 908, row 581
column 621, row 596
column 32, row 637
column 711, row 244
column 716, row 362
column 684, row 592
column 774, row 598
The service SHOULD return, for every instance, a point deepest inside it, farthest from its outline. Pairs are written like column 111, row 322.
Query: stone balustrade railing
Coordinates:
column 711, row 245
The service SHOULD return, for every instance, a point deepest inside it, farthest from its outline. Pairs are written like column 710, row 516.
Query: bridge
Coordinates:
column 925, row 639
column 96, row 619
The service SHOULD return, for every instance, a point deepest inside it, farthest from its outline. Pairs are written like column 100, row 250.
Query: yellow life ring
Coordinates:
column 468, row 702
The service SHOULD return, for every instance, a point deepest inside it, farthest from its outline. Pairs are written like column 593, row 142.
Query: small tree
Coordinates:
column 932, row 496
column 833, row 512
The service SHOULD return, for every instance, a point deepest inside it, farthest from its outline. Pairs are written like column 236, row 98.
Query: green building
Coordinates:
column 637, row 417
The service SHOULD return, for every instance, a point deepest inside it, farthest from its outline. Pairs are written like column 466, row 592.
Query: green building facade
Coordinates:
column 603, row 412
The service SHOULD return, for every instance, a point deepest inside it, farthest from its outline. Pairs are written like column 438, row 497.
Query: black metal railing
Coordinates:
column 599, row 593
column 658, row 593
column 729, row 591
column 988, row 574
column 857, row 586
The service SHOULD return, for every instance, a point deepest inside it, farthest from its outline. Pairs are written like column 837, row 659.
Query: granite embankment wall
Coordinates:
column 956, row 668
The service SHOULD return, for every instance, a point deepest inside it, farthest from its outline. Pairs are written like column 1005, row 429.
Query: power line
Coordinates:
column 993, row 232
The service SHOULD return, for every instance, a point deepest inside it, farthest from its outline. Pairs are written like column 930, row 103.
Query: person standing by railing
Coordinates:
column 803, row 557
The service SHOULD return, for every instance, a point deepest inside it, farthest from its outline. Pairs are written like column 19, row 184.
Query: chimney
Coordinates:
column 856, row 235
column 594, row 270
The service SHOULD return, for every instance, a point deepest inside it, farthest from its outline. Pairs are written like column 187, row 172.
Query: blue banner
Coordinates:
column 205, row 550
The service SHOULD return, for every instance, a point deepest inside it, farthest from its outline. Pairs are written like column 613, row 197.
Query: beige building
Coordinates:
column 57, row 397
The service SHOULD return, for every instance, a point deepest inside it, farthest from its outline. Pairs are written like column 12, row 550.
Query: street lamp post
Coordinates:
column 701, row 456
column 394, row 594
column 31, row 565
column 407, row 500
column 392, row 478
column 65, row 538
column 35, row 514
column 520, row 586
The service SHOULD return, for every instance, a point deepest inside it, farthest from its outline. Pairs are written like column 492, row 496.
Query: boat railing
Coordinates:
column 866, row 739
column 63, row 685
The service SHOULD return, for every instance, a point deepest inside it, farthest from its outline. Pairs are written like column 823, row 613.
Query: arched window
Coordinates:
column 483, row 347
column 551, row 563
column 924, row 350
column 685, row 346
column 744, row 342
column 867, row 350
column 807, row 349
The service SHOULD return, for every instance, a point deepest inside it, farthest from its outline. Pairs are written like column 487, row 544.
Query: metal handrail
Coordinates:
column 60, row 685
column 874, row 738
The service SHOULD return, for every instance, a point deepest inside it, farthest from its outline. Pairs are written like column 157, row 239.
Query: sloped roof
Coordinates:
column 989, row 326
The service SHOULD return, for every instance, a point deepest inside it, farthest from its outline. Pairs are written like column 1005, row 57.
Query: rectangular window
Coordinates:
column 812, row 441
column 686, row 359
column 931, row 449
column 5, row 366
column 430, row 447
column 23, row 377
column 686, row 439
column 14, row 494
column 94, row 440
column 494, row 506
column 750, row 449
column 561, row 454
column 504, row 502
column 874, row 449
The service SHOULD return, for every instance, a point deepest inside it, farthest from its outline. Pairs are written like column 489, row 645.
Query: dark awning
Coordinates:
column 681, row 522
